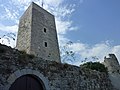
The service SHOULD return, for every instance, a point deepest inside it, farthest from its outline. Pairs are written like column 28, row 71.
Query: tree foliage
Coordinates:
column 92, row 58
column 8, row 37
column 66, row 53
column 95, row 66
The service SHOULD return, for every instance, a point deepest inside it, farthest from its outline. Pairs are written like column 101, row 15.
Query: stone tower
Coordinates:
column 113, row 67
column 37, row 34
column 112, row 64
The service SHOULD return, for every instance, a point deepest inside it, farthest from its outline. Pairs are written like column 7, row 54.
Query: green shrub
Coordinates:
column 65, row 65
column 23, row 52
column 24, row 57
column 31, row 56
column 95, row 66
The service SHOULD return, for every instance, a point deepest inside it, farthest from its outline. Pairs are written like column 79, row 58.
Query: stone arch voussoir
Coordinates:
column 22, row 72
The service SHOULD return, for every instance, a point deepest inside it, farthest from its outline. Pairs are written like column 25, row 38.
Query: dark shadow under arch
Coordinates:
column 27, row 82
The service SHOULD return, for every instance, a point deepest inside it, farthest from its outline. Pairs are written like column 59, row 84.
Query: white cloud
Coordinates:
column 116, row 50
column 21, row 2
column 8, row 41
column 98, row 50
column 78, row 47
column 63, row 11
column 62, row 40
column 8, row 13
column 62, row 26
column 8, row 29
column 53, row 2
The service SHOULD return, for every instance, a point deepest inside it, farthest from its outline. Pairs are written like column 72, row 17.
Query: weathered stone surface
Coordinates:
column 37, row 34
column 56, row 76
column 113, row 66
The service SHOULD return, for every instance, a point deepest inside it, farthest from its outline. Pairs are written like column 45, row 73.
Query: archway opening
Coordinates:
column 27, row 82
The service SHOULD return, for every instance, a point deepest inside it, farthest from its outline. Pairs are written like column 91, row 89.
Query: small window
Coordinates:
column 45, row 44
column 45, row 30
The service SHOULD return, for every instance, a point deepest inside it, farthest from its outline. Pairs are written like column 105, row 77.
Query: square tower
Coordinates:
column 37, row 34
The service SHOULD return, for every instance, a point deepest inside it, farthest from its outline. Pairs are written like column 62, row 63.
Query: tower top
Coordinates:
column 111, row 62
column 34, row 5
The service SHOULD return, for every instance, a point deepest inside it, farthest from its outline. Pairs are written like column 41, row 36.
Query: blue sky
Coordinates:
column 98, row 20
column 93, row 25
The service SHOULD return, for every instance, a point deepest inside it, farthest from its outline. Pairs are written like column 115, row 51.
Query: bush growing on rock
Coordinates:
column 95, row 66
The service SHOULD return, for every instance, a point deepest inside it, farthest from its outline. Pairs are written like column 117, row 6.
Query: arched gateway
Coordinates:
column 27, row 82
column 27, row 79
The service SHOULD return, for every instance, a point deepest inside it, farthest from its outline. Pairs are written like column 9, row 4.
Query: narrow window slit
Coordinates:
column 45, row 30
column 45, row 44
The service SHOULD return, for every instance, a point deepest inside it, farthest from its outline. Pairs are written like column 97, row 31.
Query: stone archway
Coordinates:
column 36, row 76
column 27, row 82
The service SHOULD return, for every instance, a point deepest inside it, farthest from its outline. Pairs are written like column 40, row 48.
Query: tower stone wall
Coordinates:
column 37, row 34
column 112, row 64
column 24, row 31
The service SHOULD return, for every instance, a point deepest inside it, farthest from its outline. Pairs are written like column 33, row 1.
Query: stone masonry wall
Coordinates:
column 24, row 31
column 113, row 66
column 41, row 19
column 56, row 76
column 32, row 37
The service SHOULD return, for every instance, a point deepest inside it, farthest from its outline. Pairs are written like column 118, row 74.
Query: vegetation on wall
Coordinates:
column 2, row 50
column 95, row 66
column 8, row 37
column 24, row 57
